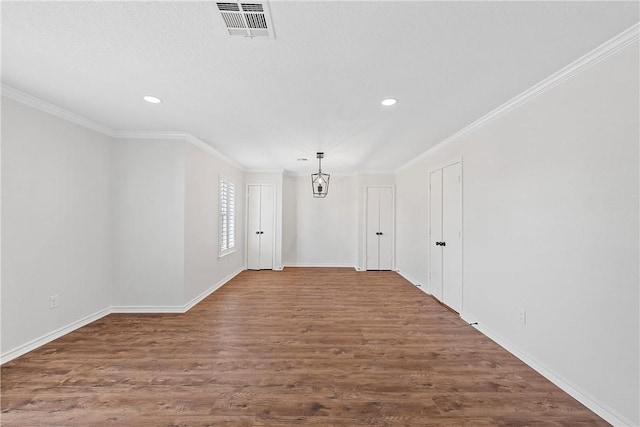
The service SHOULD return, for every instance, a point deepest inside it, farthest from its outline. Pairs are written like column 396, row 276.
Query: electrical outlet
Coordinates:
column 53, row 302
column 522, row 315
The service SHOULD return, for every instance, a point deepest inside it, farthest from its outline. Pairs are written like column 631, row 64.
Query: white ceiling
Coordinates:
column 316, row 86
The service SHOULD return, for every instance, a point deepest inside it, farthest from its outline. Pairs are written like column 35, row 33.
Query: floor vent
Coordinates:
column 246, row 19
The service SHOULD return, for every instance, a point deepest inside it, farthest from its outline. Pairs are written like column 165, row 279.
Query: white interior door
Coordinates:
column 267, row 231
column 260, row 227
column 385, row 238
column 372, row 229
column 379, row 229
column 435, row 233
column 452, row 237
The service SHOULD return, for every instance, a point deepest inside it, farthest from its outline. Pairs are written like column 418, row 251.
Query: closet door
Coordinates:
column 372, row 229
column 260, row 227
column 267, row 229
column 452, row 237
column 379, row 229
column 445, row 235
column 253, row 227
column 435, row 233
column 385, row 238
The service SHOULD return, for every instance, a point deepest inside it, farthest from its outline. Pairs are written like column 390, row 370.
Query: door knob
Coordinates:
column 443, row 244
column 262, row 232
column 257, row 232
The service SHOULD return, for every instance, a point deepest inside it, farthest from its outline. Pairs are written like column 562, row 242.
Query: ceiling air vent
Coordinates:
column 246, row 19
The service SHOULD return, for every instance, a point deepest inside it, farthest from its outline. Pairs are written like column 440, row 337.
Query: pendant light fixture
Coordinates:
column 320, row 181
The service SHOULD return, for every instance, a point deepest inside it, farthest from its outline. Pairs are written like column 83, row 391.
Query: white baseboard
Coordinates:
column 414, row 282
column 180, row 309
column 319, row 265
column 188, row 306
column 586, row 399
column 47, row 338
column 140, row 309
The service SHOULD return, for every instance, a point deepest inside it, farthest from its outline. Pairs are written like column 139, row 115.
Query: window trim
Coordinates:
column 231, row 216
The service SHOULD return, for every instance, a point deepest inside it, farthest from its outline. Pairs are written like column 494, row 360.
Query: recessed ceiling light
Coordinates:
column 152, row 99
column 388, row 102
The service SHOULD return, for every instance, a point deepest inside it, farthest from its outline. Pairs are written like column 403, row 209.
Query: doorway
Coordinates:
column 379, row 236
column 261, row 216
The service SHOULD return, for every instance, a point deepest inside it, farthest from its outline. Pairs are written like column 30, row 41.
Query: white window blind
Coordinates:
column 227, row 216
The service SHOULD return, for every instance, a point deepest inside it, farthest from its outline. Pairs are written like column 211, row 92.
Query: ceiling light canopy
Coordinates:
column 152, row 99
column 389, row 102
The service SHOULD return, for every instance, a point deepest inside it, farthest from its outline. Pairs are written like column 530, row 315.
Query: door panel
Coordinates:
column 385, row 240
column 435, row 235
column 373, row 222
column 267, row 235
column 253, row 227
column 452, row 236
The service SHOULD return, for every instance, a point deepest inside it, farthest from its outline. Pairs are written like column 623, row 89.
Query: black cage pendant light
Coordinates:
column 320, row 181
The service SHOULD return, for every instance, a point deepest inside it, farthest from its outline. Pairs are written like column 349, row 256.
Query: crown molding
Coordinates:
column 598, row 54
column 274, row 171
column 308, row 174
column 211, row 150
column 54, row 110
column 177, row 135
column 375, row 172
column 357, row 173
column 144, row 134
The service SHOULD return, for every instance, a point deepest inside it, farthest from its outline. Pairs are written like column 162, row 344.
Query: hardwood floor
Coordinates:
column 318, row 347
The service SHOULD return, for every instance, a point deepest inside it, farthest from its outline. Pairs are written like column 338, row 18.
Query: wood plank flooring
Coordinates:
column 318, row 347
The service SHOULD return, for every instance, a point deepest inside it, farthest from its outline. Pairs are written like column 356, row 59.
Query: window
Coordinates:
column 227, row 216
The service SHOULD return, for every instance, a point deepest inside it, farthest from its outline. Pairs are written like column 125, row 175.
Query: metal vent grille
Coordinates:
column 246, row 19
column 231, row 7
column 256, row 20
column 233, row 20
column 252, row 7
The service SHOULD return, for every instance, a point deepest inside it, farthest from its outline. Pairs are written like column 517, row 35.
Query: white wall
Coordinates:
column 551, row 225
column 320, row 232
column 411, row 224
column 203, row 268
column 276, row 179
column 56, row 224
column 290, row 218
column 148, row 193
column 107, row 224
column 165, row 202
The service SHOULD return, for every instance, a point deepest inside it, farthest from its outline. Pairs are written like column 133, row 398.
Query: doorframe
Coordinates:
column 246, row 223
column 443, row 165
column 364, row 224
